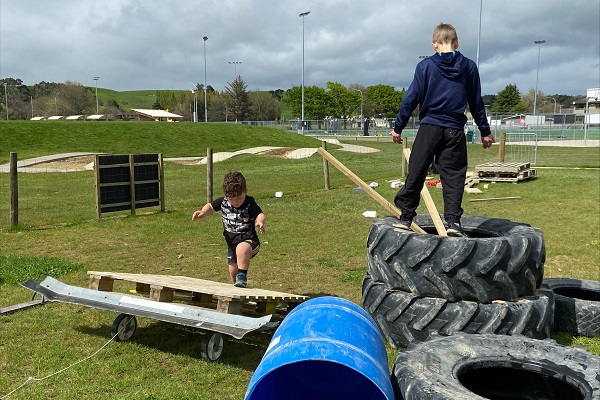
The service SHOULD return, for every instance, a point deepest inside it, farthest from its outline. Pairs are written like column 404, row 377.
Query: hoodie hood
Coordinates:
column 449, row 64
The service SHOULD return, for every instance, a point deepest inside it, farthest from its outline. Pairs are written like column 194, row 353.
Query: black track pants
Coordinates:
column 449, row 147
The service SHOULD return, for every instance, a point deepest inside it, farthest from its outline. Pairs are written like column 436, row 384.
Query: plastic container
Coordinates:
column 326, row 348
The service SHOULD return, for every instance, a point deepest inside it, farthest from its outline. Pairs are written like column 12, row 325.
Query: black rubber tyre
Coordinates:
column 475, row 367
column 123, row 327
column 212, row 346
column 500, row 260
column 404, row 317
column 577, row 305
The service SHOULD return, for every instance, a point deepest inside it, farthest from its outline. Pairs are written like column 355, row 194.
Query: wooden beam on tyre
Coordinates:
column 368, row 189
column 435, row 216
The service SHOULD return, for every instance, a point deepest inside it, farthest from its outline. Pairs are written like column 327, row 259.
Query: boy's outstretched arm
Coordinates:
column 206, row 210
column 260, row 222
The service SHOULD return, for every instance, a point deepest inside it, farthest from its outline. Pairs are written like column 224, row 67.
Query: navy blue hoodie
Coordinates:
column 443, row 85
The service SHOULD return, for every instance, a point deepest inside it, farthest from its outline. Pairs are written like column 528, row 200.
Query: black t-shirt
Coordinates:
column 238, row 223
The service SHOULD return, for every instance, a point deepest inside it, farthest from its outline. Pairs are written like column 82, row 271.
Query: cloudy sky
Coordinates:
column 158, row 45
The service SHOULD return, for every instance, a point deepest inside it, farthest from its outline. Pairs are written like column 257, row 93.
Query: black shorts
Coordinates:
column 232, row 257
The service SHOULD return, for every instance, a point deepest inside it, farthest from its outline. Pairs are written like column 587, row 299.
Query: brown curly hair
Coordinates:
column 234, row 184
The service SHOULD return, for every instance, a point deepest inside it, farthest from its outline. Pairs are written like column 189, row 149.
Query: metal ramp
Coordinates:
column 197, row 317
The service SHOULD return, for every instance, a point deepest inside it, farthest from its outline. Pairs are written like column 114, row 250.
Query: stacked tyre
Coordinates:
column 489, row 283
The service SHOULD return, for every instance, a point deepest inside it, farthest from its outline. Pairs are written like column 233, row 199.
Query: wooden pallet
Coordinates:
column 503, row 167
column 223, row 297
column 504, row 172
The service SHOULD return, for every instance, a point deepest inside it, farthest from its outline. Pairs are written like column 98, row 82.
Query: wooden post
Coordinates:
column 14, row 191
column 435, row 216
column 209, row 175
column 161, row 182
column 368, row 189
column 325, row 166
column 404, row 160
column 502, row 151
column 132, row 182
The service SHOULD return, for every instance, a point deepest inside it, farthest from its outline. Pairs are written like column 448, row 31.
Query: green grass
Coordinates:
column 314, row 244
column 128, row 99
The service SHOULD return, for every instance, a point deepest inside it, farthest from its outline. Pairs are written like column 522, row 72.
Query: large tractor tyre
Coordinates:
column 500, row 260
column 577, row 305
column 404, row 318
column 477, row 367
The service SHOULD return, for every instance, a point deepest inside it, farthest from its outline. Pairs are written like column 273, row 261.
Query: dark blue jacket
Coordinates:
column 443, row 85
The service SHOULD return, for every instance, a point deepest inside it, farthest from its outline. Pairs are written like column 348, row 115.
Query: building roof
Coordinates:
column 155, row 113
column 74, row 117
column 55, row 117
column 37, row 118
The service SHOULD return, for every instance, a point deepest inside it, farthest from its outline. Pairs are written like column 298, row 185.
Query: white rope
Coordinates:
column 32, row 379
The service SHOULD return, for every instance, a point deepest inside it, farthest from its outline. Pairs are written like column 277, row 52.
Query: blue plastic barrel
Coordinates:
column 326, row 348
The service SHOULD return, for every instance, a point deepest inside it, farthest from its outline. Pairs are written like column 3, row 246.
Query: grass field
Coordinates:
column 314, row 244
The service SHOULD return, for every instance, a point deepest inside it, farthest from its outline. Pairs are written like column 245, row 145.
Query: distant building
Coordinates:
column 155, row 115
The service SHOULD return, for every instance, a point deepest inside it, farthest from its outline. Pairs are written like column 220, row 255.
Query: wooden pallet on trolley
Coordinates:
column 504, row 172
column 223, row 297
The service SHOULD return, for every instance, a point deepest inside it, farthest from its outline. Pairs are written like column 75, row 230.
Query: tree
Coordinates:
column 263, row 107
column 343, row 101
column 508, row 100
column 384, row 100
column 238, row 104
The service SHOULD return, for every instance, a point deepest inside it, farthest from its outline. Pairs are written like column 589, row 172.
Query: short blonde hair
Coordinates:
column 445, row 33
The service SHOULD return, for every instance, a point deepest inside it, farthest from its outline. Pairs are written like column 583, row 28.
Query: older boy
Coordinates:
column 241, row 216
column 442, row 86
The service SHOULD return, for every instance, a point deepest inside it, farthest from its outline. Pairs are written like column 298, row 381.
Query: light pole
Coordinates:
column 205, row 38
column 479, row 33
column 96, row 80
column 304, row 14
column 539, row 43
column 361, row 103
column 195, row 91
column 235, row 63
column 548, row 97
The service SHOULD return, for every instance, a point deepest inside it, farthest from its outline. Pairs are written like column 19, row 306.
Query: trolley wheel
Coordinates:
column 212, row 345
column 124, row 327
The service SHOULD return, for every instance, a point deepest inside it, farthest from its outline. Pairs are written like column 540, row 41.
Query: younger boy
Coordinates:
column 442, row 87
column 241, row 216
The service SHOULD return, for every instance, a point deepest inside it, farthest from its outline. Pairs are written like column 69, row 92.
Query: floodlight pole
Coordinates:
column 205, row 38
column 96, row 80
column 361, row 104
column 539, row 43
column 304, row 14
column 235, row 63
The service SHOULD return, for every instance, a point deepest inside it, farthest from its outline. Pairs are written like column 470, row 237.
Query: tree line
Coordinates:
column 19, row 101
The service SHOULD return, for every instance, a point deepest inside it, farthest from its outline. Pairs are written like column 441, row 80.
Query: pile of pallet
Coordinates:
column 504, row 171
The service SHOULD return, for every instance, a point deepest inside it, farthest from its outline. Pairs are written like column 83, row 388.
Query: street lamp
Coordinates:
column 479, row 33
column 195, row 91
column 539, row 43
column 96, row 80
column 548, row 97
column 205, row 38
column 235, row 63
column 361, row 103
column 304, row 14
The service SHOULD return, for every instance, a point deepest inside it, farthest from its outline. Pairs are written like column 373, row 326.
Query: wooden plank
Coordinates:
column 497, row 198
column 228, row 306
column 433, row 212
column 161, row 293
column 367, row 189
column 21, row 306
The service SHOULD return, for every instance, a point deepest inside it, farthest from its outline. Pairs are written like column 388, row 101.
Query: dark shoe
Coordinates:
column 404, row 224
column 455, row 230
column 240, row 281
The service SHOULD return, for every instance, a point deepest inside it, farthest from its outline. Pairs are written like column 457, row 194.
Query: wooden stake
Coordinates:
column 368, row 189
column 435, row 216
